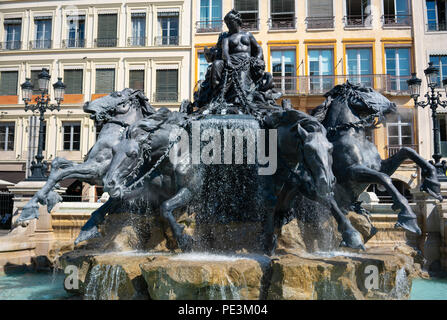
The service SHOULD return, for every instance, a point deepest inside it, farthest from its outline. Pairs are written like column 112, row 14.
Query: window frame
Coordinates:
column 4, row 144
column 71, row 124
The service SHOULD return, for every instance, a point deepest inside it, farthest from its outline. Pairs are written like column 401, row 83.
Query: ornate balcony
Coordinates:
column 11, row 45
column 41, row 44
column 166, row 97
column 73, row 43
column 397, row 20
column 167, row 41
column 315, row 23
column 358, row 21
column 393, row 149
column 209, row 26
column 250, row 24
column 106, row 42
column 136, row 41
column 282, row 23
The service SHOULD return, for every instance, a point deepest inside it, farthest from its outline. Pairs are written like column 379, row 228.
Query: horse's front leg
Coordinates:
column 406, row 217
column 181, row 199
column 430, row 183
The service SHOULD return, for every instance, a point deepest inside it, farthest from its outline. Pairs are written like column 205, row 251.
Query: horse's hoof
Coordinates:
column 185, row 243
column 30, row 211
column 409, row 224
column 85, row 235
column 352, row 239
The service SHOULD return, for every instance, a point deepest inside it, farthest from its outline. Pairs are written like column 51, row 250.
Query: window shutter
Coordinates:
column 8, row 83
column 73, row 81
column 35, row 81
column 246, row 5
column 283, row 6
column 136, row 79
column 105, row 80
column 167, row 85
column 320, row 8
column 107, row 26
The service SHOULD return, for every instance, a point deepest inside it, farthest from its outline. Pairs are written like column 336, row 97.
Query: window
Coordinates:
column 167, row 85
column 358, row 13
column 320, row 14
column 400, row 130
column 8, row 83
column 396, row 12
column 398, row 67
column 105, row 81
column 13, row 29
column 42, row 27
column 283, row 67
column 107, row 30
column 168, row 29
column 138, row 29
column 359, row 64
column 35, row 81
column 210, row 16
column 321, row 64
column 249, row 13
column 72, row 136
column 7, row 136
column 282, row 14
column 73, row 81
column 203, row 66
column 442, row 118
column 76, row 32
column 440, row 62
column 436, row 15
column 136, row 79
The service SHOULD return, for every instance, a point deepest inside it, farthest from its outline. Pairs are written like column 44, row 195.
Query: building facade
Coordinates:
column 96, row 47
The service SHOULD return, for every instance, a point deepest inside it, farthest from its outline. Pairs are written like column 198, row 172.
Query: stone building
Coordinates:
column 96, row 47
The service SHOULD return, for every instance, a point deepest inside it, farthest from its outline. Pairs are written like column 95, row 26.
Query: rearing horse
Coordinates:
column 349, row 110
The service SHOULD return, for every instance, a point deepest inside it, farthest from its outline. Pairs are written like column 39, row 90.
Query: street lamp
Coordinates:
column 434, row 101
column 39, row 167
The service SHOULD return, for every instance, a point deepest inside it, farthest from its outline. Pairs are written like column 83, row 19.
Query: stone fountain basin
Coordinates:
column 292, row 276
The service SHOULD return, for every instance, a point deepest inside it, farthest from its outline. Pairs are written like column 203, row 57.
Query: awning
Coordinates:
column 12, row 176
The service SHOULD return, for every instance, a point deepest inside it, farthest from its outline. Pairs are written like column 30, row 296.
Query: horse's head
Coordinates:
column 118, row 104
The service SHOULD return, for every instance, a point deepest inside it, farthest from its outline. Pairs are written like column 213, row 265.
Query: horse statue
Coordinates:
column 348, row 112
column 114, row 112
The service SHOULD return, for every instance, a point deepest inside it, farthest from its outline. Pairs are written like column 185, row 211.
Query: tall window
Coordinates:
column 283, row 67
column 282, row 14
column 167, row 85
column 168, row 28
column 8, row 83
column 396, row 12
column 105, row 81
column 320, row 14
column 72, row 136
column 203, row 66
column 440, row 62
column 107, row 30
column 359, row 66
column 136, row 79
column 400, row 130
column 210, row 16
column 398, row 66
column 436, row 15
column 13, row 30
column 358, row 13
column 73, row 81
column 138, row 29
column 42, row 27
column 7, row 136
column 321, row 65
column 76, row 31
column 249, row 13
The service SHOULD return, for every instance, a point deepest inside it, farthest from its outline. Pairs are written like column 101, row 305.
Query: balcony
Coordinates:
column 209, row 26
column 73, row 43
column 136, row 41
column 319, row 85
column 393, row 149
column 166, row 96
column 41, row 44
column 106, row 42
column 282, row 23
column 315, row 23
column 358, row 21
column 167, row 41
column 11, row 45
column 436, row 26
column 250, row 25
column 397, row 20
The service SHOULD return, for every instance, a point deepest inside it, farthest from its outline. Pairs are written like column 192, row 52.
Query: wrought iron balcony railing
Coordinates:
column 11, row 45
column 320, row 23
column 282, row 23
column 358, row 21
column 436, row 26
column 106, row 42
column 167, row 41
column 393, row 149
column 209, row 26
column 166, row 96
column 136, row 41
column 397, row 20
column 73, row 43
column 41, row 44
column 250, row 24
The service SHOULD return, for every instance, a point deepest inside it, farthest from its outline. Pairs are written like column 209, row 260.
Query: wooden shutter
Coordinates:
column 105, row 81
column 107, row 26
column 246, row 5
column 136, row 79
column 319, row 8
column 73, row 81
column 167, row 85
column 8, row 83
column 283, row 6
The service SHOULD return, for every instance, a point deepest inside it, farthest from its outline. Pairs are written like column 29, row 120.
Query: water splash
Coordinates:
column 402, row 286
column 104, row 282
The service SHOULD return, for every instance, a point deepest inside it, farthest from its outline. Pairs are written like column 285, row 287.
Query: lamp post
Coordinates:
column 39, row 167
column 433, row 101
